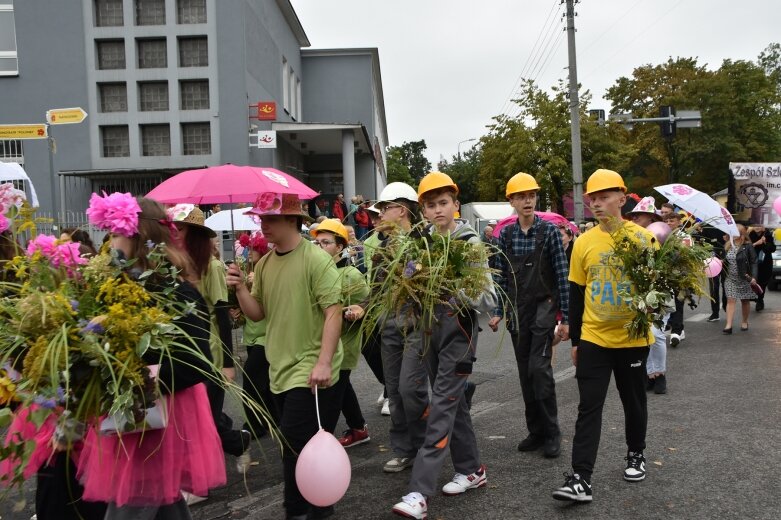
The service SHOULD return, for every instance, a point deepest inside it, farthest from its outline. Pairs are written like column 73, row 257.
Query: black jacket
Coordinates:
column 746, row 259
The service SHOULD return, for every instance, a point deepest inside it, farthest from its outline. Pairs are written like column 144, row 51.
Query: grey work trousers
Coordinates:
column 449, row 351
column 532, row 344
column 406, row 384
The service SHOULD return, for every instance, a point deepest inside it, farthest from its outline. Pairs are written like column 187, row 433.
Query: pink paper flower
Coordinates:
column 67, row 255
column 116, row 213
column 10, row 196
column 4, row 223
column 46, row 244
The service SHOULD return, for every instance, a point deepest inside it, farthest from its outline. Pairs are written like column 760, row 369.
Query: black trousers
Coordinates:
column 58, row 493
column 255, row 382
column 595, row 365
column 372, row 353
column 676, row 318
column 714, row 285
column 532, row 345
column 351, row 408
column 298, row 424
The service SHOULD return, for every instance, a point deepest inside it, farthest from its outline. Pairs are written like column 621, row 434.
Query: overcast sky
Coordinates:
column 449, row 66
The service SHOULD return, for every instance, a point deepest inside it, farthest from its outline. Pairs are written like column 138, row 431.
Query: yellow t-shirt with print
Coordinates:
column 605, row 314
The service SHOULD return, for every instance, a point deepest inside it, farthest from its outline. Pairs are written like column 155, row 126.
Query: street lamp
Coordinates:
column 462, row 142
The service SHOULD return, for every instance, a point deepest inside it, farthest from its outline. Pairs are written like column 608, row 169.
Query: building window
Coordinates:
column 108, row 13
column 152, row 53
column 115, row 141
column 193, row 52
column 285, row 85
column 298, row 99
column 11, row 150
column 194, row 94
column 150, row 12
column 155, row 140
column 196, row 139
column 152, row 96
column 190, row 11
column 111, row 54
column 113, row 97
column 9, row 60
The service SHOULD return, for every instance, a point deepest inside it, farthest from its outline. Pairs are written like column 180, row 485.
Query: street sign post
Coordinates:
column 24, row 131
column 65, row 116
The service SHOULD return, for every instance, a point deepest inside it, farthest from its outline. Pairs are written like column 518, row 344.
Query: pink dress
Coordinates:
column 153, row 468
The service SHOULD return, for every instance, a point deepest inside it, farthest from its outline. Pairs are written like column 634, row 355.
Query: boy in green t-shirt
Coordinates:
column 297, row 291
column 332, row 238
column 449, row 351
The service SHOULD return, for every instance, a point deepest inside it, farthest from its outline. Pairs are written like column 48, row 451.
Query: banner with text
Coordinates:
column 757, row 185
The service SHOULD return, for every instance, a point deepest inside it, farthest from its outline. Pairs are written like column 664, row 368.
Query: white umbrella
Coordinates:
column 701, row 205
column 222, row 221
column 12, row 171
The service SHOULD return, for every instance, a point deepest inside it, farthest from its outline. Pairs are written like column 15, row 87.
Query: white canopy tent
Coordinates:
column 11, row 171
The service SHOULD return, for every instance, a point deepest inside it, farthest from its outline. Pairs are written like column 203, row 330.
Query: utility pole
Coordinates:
column 574, row 110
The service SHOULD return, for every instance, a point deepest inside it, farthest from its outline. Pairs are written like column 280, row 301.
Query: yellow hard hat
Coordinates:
column 435, row 180
column 604, row 180
column 521, row 182
column 332, row 225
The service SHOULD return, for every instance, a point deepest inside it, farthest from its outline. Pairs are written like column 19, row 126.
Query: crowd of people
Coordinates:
column 300, row 299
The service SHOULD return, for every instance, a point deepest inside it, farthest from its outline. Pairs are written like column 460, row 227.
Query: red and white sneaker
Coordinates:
column 412, row 506
column 463, row 483
column 354, row 437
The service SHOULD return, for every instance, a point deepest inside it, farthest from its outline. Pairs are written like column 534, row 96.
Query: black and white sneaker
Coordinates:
column 575, row 489
column 712, row 318
column 635, row 466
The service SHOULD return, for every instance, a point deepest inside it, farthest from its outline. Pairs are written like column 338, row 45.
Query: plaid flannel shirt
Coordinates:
column 524, row 244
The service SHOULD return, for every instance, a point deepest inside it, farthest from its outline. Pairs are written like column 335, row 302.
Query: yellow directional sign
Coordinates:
column 65, row 116
column 23, row 131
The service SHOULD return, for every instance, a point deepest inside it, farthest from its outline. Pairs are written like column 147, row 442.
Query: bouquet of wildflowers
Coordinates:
column 81, row 331
column 418, row 271
column 659, row 272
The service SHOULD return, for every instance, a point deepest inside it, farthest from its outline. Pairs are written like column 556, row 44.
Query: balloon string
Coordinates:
column 317, row 408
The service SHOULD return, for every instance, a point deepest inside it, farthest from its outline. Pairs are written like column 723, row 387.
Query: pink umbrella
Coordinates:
column 553, row 218
column 228, row 183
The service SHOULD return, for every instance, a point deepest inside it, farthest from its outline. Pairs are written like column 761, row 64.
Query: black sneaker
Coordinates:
column 661, row 385
column 575, row 489
column 531, row 443
column 649, row 384
column 552, row 447
column 635, row 466
column 713, row 317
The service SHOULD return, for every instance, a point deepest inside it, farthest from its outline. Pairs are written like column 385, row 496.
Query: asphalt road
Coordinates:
column 713, row 441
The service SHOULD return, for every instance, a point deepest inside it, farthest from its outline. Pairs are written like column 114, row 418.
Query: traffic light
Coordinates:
column 668, row 127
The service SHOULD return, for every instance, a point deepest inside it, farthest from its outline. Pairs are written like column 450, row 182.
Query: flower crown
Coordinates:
column 115, row 213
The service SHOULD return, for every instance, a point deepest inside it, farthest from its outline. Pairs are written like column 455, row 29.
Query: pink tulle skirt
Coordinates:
column 23, row 429
column 152, row 468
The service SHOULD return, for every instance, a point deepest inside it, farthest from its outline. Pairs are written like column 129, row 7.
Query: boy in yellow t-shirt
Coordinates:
column 600, row 344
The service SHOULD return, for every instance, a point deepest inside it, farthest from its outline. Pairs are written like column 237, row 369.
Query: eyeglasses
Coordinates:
column 390, row 206
column 324, row 243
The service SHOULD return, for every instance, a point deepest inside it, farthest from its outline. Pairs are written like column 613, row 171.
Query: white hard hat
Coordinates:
column 374, row 209
column 398, row 191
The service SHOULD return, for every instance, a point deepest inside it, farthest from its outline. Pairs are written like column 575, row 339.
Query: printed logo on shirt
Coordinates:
column 607, row 281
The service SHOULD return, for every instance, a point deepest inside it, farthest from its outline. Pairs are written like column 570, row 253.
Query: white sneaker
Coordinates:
column 385, row 407
column 675, row 339
column 463, row 483
column 397, row 464
column 412, row 506
column 191, row 499
column 381, row 400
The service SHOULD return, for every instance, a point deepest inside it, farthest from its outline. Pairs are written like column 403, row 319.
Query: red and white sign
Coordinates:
column 267, row 111
column 267, row 139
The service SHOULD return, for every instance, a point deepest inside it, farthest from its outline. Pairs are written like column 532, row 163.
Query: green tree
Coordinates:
column 412, row 155
column 397, row 169
column 465, row 171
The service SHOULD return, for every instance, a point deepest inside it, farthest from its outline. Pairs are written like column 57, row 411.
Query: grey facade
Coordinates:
column 169, row 85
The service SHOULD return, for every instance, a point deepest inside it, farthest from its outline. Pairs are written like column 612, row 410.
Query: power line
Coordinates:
column 530, row 57
column 615, row 22
column 556, row 47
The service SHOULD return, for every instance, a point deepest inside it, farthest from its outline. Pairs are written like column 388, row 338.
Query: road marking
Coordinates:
column 698, row 317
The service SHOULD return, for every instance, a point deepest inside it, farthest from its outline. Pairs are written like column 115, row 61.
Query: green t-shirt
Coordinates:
column 254, row 332
column 369, row 245
column 354, row 290
column 214, row 288
column 294, row 288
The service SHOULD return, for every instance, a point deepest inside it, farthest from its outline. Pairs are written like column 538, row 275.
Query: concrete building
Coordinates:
column 171, row 85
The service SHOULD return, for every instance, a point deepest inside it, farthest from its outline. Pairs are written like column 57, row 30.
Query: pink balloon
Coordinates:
column 323, row 470
column 712, row 267
column 660, row 230
column 777, row 206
